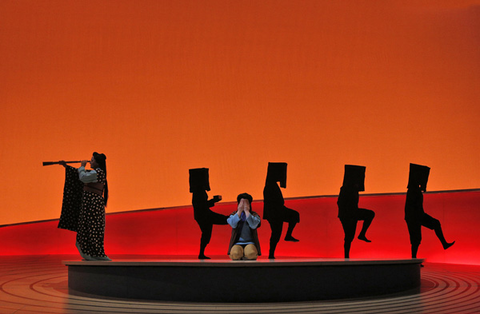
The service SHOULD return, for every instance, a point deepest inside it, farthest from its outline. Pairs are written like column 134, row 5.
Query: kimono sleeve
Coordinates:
column 72, row 200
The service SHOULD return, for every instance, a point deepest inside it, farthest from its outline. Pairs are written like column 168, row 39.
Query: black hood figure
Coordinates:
column 199, row 184
column 354, row 176
column 199, row 180
column 348, row 211
column 277, row 172
column 418, row 177
column 415, row 215
column 274, row 210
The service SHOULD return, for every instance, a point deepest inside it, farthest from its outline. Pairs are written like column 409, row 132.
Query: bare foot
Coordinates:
column 363, row 238
column 446, row 246
column 292, row 239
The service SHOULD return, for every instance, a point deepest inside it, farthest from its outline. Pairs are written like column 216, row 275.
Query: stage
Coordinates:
column 222, row 280
column 39, row 284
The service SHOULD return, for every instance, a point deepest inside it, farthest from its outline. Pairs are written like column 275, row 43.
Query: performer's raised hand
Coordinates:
column 240, row 207
column 243, row 206
column 83, row 163
column 63, row 163
column 246, row 207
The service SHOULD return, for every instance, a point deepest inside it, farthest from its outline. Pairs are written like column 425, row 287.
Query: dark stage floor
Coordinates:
column 38, row 284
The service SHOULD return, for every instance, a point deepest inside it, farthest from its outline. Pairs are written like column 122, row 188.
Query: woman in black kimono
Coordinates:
column 91, row 216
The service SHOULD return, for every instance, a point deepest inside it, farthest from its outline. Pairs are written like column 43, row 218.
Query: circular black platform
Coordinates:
column 243, row 281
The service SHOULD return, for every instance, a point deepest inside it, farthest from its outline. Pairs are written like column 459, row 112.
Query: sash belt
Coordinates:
column 96, row 188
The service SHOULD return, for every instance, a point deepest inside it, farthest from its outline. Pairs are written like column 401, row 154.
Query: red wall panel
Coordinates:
column 174, row 232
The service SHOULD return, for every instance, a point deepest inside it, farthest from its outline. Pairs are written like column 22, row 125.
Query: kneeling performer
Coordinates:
column 244, row 242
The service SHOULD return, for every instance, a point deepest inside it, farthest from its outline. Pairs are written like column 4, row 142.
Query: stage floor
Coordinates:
column 225, row 261
column 39, row 284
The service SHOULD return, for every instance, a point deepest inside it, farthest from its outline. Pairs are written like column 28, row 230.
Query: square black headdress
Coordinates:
column 199, row 179
column 418, row 176
column 277, row 172
column 354, row 175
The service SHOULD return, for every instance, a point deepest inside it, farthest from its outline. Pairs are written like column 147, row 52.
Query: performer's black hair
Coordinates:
column 245, row 196
column 102, row 164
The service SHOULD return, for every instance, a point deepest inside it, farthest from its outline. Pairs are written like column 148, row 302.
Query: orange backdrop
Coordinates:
column 164, row 86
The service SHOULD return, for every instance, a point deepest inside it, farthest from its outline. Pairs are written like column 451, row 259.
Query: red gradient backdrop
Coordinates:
column 173, row 232
column 164, row 86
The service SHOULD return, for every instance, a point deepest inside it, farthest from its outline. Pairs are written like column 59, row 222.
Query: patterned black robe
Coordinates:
column 84, row 213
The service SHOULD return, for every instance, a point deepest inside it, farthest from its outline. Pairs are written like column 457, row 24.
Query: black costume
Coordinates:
column 348, row 211
column 415, row 216
column 199, row 184
column 274, row 210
